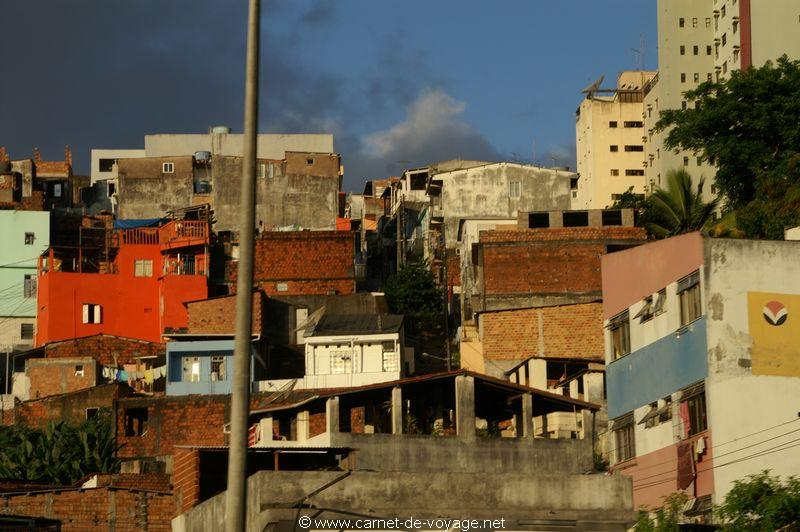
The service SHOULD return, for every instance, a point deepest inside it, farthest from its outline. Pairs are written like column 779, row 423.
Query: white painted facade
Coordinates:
column 101, row 159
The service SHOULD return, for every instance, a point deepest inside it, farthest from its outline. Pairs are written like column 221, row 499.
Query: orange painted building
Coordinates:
column 132, row 283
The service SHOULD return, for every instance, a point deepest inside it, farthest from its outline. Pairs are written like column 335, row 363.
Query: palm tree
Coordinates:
column 679, row 208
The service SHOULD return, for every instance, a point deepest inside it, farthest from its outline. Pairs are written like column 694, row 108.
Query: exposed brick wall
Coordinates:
column 317, row 424
column 560, row 331
column 218, row 315
column 53, row 377
column 186, row 420
column 186, row 478
column 144, row 481
column 304, row 262
column 106, row 349
column 549, row 261
column 322, row 164
column 358, row 419
column 99, row 509
column 69, row 407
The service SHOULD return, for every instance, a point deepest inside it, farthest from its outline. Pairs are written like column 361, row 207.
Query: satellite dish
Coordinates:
column 594, row 86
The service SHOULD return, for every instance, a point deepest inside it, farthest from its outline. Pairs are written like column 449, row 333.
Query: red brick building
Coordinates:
column 124, row 282
column 564, row 331
column 302, row 263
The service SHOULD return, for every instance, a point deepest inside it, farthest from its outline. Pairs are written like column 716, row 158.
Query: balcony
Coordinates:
column 175, row 234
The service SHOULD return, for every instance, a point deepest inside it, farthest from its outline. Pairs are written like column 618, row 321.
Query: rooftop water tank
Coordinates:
column 220, row 130
column 202, row 156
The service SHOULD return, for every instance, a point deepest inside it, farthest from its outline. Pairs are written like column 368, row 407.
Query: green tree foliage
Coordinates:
column 749, row 126
column 413, row 291
column 664, row 519
column 679, row 208
column 762, row 503
column 59, row 453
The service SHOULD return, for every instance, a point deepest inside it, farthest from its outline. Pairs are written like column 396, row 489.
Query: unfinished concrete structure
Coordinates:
column 443, row 443
column 300, row 189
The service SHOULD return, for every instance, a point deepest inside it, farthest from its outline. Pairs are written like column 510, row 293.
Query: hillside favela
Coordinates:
column 320, row 265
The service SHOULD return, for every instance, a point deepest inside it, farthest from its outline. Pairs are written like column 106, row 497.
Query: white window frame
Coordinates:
column 168, row 168
column 514, row 189
column 92, row 313
column 143, row 268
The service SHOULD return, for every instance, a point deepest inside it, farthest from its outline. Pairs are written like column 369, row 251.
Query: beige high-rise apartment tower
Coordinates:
column 609, row 132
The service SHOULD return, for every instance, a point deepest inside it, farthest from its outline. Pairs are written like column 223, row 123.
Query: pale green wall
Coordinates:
column 18, row 259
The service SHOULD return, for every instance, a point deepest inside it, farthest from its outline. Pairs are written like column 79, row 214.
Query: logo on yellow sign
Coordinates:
column 775, row 331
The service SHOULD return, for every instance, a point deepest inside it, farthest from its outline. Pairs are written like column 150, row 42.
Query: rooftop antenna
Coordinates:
column 638, row 53
column 588, row 91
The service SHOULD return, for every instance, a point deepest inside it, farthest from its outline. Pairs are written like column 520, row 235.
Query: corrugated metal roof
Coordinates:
column 340, row 324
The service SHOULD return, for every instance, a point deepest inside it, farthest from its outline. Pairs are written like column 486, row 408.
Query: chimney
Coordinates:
column 68, row 156
column 37, row 157
column 3, row 153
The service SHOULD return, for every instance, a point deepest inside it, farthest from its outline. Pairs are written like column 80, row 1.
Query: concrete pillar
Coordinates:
column 303, row 429
column 397, row 410
column 526, row 425
column 465, row 407
column 587, row 423
column 266, row 430
column 537, row 368
column 332, row 415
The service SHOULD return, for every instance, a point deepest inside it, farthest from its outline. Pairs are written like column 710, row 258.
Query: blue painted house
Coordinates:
column 200, row 367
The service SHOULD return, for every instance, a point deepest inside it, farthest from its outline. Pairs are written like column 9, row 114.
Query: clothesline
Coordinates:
column 129, row 374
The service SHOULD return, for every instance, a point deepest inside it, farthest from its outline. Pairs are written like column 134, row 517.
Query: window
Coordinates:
column 79, row 371
column 646, row 312
column 683, row 77
column 106, row 165
column 29, row 238
column 696, row 77
column 634, row 172
column 615, row 172
column 735, row 27
column 309, row 161
column 634, row 147
column 689, row 295
column 135, row 421
column 620, row 328
column 611, row 217
column 29, row 286
column 614, row 148
column 685, row 161
column 724, row 39
column 282, row 287
column 708, row 22
column 708, row 50
column 694, row 22
column 143, row 268
column 26, row 331
column 341, row 361
column 168, row 168
column 699, row 161
column 191, row 368
column 57, row 190
column 696, row 50
column 575, row 219
column 661, row 302
column 683, row 50
column 262, row 170
column 389, row 356
column 112, row 188
column 681, row 22
column 660, row 412
column 573, row 183
column 633, row 123
column 625, row 444
column 92, row 412
column 723, row 11
column 513, row 189
column 693, row 409
column 683, row 105
column 709, row 77
column 92, row 313
column 538, row 220
column 612, row 124
column 736, row 54
column 218, row 368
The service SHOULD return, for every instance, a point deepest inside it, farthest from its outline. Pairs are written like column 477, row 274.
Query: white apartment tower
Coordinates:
column 702, row 40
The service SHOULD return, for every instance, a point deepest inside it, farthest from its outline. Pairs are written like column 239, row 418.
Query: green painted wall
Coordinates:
column 18, row 259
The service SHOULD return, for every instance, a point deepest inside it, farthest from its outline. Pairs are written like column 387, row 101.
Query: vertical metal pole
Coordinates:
column 236, row 496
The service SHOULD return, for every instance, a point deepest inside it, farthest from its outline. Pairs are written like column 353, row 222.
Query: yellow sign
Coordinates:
column 774, row 321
